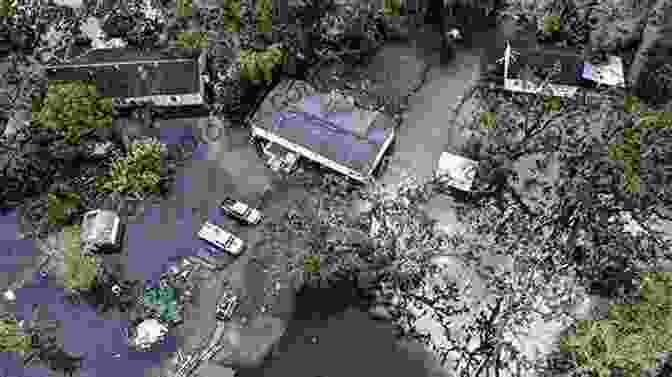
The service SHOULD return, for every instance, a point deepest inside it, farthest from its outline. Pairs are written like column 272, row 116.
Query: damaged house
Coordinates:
column 163, row 79
column 327, row 128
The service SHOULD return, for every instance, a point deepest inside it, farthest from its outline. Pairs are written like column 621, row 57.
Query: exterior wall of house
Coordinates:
column 259, row 132
column 166, row 100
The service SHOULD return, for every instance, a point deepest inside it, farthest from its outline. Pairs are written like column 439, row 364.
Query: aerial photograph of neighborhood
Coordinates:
column 335, row 188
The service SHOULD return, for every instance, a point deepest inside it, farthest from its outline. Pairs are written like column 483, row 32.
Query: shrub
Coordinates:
column 72, row 107
column 164, row 300
column 631, row 335
column 264, row 15
column 80, row 269
column 259, row 65
column 139, row 172
column 192, row 39
column 12, row 337
column 59, row 204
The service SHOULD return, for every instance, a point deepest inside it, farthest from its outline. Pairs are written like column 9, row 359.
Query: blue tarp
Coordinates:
column 342, row 119
column 324, row 137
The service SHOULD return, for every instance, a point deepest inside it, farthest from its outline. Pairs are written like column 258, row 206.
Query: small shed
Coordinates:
column 101, row 231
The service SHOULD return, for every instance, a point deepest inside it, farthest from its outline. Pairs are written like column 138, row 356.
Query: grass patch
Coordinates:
column 80, row 270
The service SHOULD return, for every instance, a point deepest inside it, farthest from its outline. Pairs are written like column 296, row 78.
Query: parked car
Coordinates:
column 221, row 238
column 226, row 307
column 102, row 230
column 240, row 211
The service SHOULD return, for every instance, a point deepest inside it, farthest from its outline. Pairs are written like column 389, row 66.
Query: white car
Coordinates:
column 221, row 238
column 240, row 210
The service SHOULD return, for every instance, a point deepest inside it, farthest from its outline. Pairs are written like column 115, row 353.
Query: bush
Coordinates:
column 60, row 205
column 631, row 335
column 164, row 300
column 80, row 269
column 12, row 337
column 258, row 65
column 139, row 172
column 72, row 107
column 192, row 39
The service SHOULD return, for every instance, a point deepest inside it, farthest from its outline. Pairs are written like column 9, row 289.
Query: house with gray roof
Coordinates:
column 134, row 77
column 327, row 128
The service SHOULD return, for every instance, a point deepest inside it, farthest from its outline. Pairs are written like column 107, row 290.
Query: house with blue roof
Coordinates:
column 327, row 128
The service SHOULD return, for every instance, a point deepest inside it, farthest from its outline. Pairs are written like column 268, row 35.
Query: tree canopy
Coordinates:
column 73, row 107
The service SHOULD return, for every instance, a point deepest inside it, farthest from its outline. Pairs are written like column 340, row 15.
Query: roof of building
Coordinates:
column 351, row 138
column 123, row 73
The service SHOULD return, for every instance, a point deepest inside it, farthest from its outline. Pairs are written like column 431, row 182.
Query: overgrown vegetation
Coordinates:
column 138, row 173
column 80, row 269
column 259, row 65
column 631, row 335
column 73, row 107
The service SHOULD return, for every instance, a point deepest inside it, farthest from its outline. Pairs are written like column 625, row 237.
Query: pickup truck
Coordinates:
column 220, row 238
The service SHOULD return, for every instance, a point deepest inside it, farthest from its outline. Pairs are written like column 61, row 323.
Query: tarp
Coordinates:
column 324, row 137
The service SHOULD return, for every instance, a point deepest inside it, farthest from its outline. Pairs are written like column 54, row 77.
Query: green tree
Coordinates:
column 185, row 8
column 259, row 65
column 163, row 299
column 73, row 107
column 59, row 204
column 12, row 337
column 139, row 172
column 80, row 270
column 192, row 39
column 631, row 335
column 231, row 15
column 248, row 25
column 7, row 8
column 264, row 15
